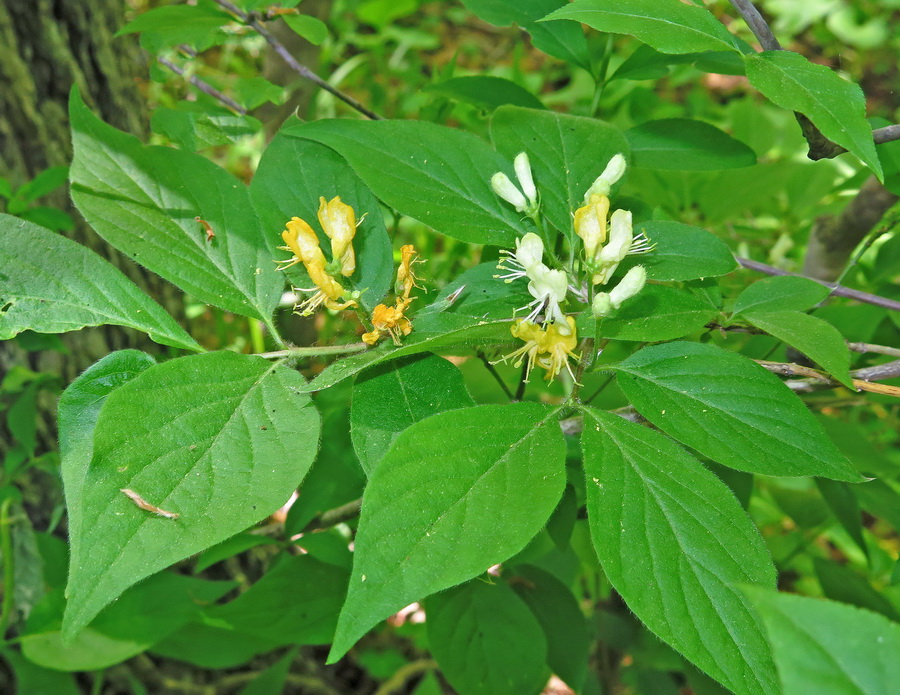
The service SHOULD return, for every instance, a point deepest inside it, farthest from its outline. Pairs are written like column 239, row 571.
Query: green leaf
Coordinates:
column 843, row 504
column 656, row 313
column 272, row 680
column 567, row 154
column 52, row 218
column 391, row 397
column 468, row 332
column 220, row 439
column 310, row 28
column 836, row 107
column 729, row 409
column 437, row 175
column 145, row 200
column 256, row 91
column 485, row 91
column 142, row 616
column 784, row 293
column 42, row 184
column 840, row 583
column 281, row 190
column 683, row 144
column 229, row 548
column 485, row 296
column 842, row 649
column 669, row 26
column 682, row 252
column 296, row 602
column 78, row 410
column 815, row 338
column 486, row 640
column 561, row 620
column 51, row 284
column 562, row 40
column 196, row 25
column 195, row 130
column 34, row 680
column 455, row 494
column 673, row 541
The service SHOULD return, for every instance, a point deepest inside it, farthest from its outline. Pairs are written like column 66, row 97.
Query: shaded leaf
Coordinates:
column 683, row 144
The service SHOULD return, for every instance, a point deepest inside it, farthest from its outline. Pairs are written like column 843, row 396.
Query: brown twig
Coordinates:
column 884, row 371
column 335, row 516
column 203, row 86
column 855, row 347
column 757, row 24
column 838, row 290
column 292, row 62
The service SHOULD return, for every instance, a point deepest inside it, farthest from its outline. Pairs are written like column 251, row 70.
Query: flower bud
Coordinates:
column 590, row 224
column 338, row 220
column 611, row 174
column 628, row 286
column 529, row 250
column 602, row 305
column 526, row 181
column 507, row 190
column 621, row 237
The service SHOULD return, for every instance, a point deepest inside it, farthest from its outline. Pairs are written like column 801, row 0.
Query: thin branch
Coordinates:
column 855, row 347
column 203, row 86
column 494, row 373
column 887, row 134
column 757, row 24
column 398, row 681
column 838, row 290
column 335, row 516
column 889, row 371
column 292, row 62
column 314, row 351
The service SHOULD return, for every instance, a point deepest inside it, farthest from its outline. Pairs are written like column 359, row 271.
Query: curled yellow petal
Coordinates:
column 591, row 224
column 338, row 220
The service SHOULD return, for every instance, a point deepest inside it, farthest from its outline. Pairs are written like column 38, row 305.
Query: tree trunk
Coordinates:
column 46, row 46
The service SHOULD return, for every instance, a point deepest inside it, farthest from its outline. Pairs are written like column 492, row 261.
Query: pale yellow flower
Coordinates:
column 549, row 348
column 338, row 220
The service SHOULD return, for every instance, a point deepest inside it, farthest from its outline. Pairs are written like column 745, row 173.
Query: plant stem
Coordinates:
column 493, row 371
column 314, row 351
column 9, row 577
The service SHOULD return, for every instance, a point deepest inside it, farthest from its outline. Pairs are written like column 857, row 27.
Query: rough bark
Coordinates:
column 833, row 239
column 46, row 46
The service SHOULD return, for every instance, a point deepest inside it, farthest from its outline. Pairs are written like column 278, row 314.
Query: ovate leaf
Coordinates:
column 291, row 177
column 486, row 641
column 567, row 154
column 731, row 410
column 815, row 338
column 669, row 26
column 455, row 494
column 485, row 92
column 389, row 398
column 683, row 144
column 145, row 201
column 219, row 439
column 673, row 541
column 836, row 107
column 50, row 284
column 440, row 176
column 682, row 252
column 844, row 650
column 782, row 293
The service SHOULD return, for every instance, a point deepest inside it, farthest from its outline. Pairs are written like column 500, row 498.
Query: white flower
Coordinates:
column 529, row 253
column 526, row 202
column 548, row 287
column 611, row 174
column 622, row 242
column 633, row 282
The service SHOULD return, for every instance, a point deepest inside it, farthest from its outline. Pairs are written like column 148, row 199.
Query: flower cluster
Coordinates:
column 391, row 320
column 606, row 239
column 338, row 221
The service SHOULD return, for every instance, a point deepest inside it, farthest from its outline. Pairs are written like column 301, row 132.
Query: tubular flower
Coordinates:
column 548, row 348
column 301, row 240
column 590, row 223
column 605, row 303
column 390, row 320
column 611, row 174
column 622, row 242
column 338, row 220
column 528, row 255
column 548, row 287
column 525, row 200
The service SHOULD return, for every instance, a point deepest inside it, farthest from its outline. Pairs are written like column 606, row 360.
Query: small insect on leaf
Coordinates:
column 144, row 504
column 210, row 234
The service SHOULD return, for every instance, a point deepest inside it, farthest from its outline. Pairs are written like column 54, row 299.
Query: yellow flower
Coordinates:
column 390, row 320
column 590, row 224
column 549, row 348
column 339, row 222
column 301, row 240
